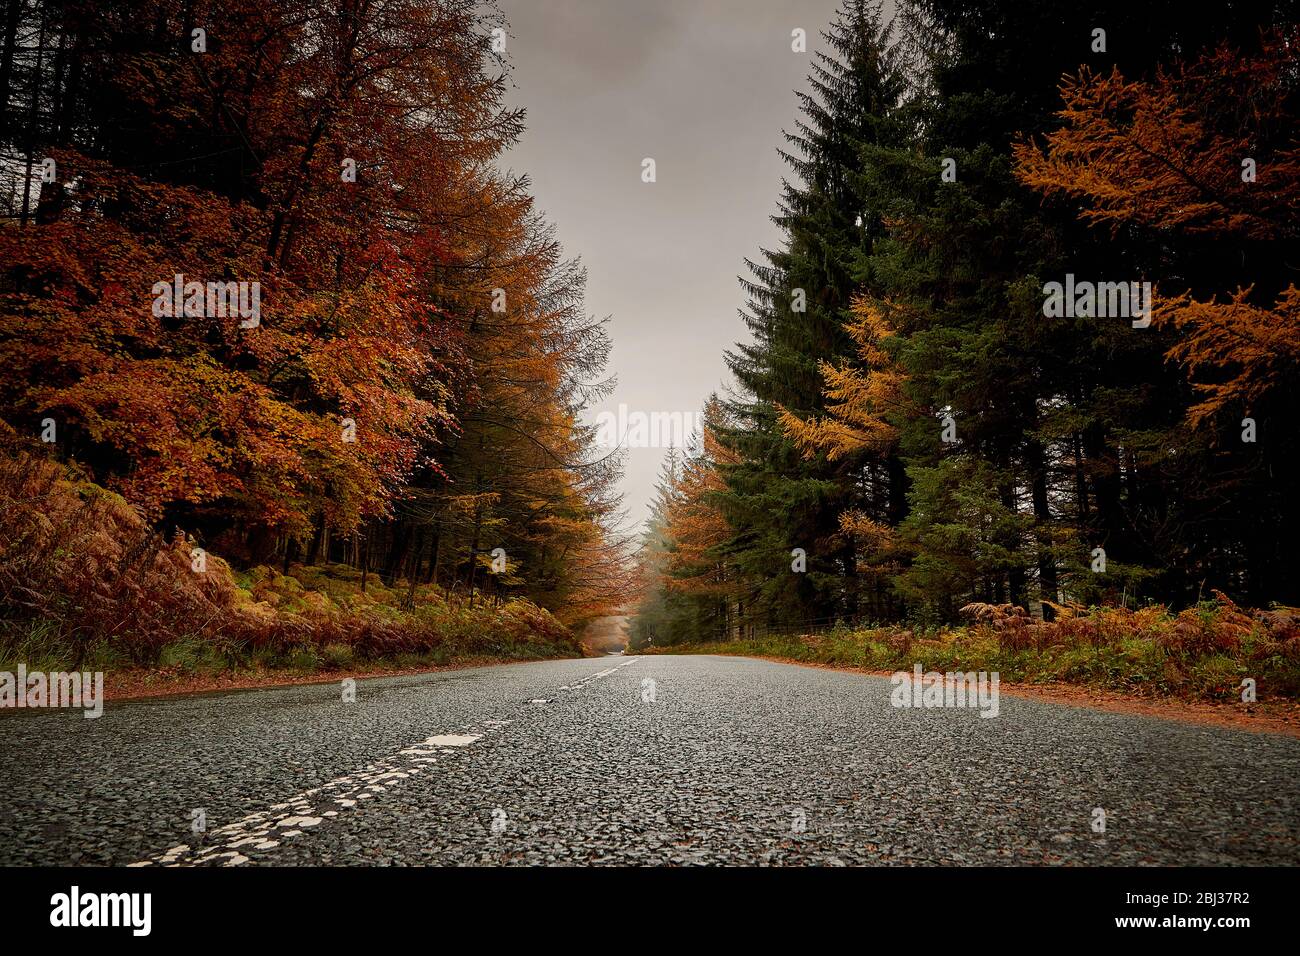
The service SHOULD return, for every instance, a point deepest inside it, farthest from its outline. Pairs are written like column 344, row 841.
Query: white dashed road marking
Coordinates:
column 266, row 829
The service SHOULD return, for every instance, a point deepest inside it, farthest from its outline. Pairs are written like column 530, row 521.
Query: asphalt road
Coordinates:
column 733, row 762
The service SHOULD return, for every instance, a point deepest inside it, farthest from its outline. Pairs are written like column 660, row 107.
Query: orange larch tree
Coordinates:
column 1204, row 150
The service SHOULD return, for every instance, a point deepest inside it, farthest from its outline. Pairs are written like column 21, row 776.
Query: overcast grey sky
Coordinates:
column 704, row 87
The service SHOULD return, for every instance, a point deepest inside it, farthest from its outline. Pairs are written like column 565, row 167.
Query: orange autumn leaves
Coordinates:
column 1204, row 149
column 362, row 279
column 859, row 400
column 412, row 398
column 694, row 523
column 1244, row 348
column 197, row 410
column 858, row 397
column 1201, row 149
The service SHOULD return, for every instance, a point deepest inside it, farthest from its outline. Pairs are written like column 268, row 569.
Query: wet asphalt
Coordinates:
column 653, row 760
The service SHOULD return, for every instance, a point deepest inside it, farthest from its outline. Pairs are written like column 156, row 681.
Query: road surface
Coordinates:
column 734, row 761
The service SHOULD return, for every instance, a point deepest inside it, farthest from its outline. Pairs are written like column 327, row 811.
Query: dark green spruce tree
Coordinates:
column 799, row 296
column 1069, row 431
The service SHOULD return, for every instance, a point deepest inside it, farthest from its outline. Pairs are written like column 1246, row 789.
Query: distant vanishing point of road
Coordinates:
column 718, row 761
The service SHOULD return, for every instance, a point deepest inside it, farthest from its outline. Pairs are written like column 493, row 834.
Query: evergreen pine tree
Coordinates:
column 799, row 301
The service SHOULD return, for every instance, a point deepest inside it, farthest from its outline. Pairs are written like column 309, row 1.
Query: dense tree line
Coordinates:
column 913, row 427
column 403, row 387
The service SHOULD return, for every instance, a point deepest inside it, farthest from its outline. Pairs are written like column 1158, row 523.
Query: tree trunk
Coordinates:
column 365, row 564
column 473, row 550
column 417, row 555
column 1036, row 459
column 10, row 40
column 33, row 118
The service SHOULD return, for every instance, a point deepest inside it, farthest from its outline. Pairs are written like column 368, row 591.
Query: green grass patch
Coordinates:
column 1203, row 653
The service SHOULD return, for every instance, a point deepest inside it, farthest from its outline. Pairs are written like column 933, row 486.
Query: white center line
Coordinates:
column 310, row 808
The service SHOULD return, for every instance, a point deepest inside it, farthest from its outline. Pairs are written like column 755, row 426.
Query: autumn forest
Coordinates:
column 1031, row 340
column 292, row 367
column 264, row 283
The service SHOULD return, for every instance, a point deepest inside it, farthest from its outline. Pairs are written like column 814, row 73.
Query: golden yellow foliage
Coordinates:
column 1203, row 148
column 857, row 396
column 1246, row 348
column 1168, row 154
